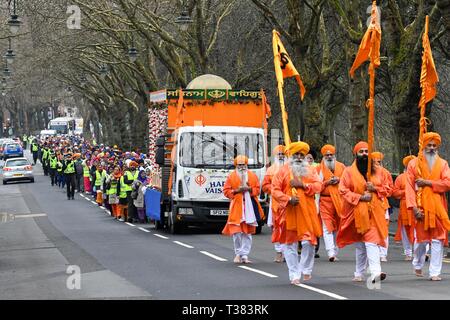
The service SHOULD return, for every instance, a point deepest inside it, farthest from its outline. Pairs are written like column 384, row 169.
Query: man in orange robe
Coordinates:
column 330, row 205
column 241, row 186
column 294, row 188
column 432, row 223
column 377, row 158
column 279, row 159
column 405, row 229
column 363, row 214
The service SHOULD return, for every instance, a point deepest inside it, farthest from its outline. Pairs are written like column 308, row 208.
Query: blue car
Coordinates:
column 12, row 150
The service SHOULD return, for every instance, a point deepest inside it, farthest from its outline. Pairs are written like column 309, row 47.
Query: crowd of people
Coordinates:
column 346, row 205
column 116, row 179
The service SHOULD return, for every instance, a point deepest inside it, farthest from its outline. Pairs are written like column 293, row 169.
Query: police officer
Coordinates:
column 69, row 174
column 34, row 150
column 24, row 140
column 45, row 156
column 59, row 172
column 130, row 176
column 53, row 163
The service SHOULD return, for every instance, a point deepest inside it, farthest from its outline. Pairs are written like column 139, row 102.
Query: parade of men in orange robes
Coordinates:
column 405, row 229
column 294, row 187
column 363, row 213
column 425, row 195
column 330, row 205
column 242, row 188
column 377, row 158
column 273, row 219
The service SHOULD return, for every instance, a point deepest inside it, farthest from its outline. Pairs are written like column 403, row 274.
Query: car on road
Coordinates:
column 11, row 150
column 17, row 169
column 2, row 142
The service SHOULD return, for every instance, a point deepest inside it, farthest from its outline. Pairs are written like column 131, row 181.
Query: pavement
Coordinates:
column 134, row 261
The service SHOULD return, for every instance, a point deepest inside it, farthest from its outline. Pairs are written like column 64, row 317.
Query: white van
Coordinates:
column 47, row 133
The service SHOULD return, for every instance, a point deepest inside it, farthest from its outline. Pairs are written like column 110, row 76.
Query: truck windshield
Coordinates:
column 60, row 128
column 217, row 150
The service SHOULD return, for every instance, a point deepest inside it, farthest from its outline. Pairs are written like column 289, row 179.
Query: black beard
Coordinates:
column 361, row 163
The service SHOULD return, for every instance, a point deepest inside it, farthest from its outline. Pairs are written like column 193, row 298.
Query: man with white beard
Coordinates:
column 330, row 205
column 425, row 195
column 294, row 187
column 273, row 220
column 242, row 187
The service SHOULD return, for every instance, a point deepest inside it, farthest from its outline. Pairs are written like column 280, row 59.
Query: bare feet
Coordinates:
column 237, row 259
column 295, row 282
column 246, row 261
column 408, row 258
column 333, row 259
column 383, row 259
column 435, row 278
column 278, row 257
column 419, row 273
column 357, row 279
column 306, row 277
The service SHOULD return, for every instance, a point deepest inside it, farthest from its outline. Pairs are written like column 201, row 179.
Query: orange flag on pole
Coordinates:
column 370, row 44
column 284, row 68
column 428, row 76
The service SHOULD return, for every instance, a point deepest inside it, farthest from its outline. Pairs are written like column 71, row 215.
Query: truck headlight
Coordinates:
column 186, row 211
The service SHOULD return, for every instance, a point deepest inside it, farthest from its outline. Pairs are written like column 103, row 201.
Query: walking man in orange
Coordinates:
column 242, row 187
column 405, row 230
column 273, row 220
column 330, row 205
column 377, row 158
column 294, row 187
column 425, row 195
column 363, row 213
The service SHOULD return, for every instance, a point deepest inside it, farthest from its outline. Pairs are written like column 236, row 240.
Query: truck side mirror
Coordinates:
column 160, row 156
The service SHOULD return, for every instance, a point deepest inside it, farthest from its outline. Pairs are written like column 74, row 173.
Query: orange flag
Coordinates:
column 370, row 44
column 428, row 75
column 180, row 110
column 284, row 68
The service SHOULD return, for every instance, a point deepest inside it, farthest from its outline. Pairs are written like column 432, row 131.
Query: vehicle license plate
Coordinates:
column 219, row 212
column 18, row 175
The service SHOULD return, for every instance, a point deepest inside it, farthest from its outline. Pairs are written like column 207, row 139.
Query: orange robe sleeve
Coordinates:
column 399, row 192
column 344, row 188
column 410, row 185
column 228, row 189
column 443, row 184
column 254, row 184
column 278, row 186
column 314, row 185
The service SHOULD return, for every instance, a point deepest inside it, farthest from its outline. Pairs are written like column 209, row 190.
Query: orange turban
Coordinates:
column 407, row 159
column 133, row 164
column 360, row 145
column 278, row 149
column 240, row 160
column 326, row 148
column 427, row 137
column 377, row 156
column 296, row 147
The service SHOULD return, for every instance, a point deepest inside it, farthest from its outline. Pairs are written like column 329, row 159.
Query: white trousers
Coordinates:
column 242, row 244
column 420, row 249
column 407, row 248
column 278, row 247
column 330, row 244
column 306, row 263
column 367, row 253
column 383, row 250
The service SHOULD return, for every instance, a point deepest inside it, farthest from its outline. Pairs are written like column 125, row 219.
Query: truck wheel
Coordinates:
column 175, row 227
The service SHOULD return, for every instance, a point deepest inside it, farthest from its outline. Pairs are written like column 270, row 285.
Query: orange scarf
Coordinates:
column 306, row 220
column 365, row 211
column 432, row 202
column 333, row 189
column 404, row 213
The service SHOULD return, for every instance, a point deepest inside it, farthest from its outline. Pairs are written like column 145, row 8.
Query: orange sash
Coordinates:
column 305, row 220
column 432, row 203
column 333, row 189
column 367, row 211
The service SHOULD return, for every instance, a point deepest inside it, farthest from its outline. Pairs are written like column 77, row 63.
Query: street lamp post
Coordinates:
column 10, row 55
column 14, row 22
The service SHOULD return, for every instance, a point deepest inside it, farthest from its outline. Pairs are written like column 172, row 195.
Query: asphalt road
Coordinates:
column 126, row 261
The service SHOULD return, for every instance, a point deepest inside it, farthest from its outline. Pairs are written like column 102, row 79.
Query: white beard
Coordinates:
column 330, row 164
column 299, row 169
column 431, row 159
column 243, row 176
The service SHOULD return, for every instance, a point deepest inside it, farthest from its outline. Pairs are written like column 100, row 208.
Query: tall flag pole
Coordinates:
column 428, row 80
column 370, row 49
column 284, row 68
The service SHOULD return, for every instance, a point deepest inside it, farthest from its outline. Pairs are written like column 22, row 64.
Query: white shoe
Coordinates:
column 383, row 259
column 122, row 219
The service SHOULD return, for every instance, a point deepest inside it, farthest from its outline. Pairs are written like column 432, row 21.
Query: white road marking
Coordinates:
column 103, row 207
column 145, row 230
column 160, row 236
column 130, row 224
column 183, row 244
column 93, row 202
column 259, row 271
column 35, row 215
column 206, row 253
column 327, row 293
column 446, row 260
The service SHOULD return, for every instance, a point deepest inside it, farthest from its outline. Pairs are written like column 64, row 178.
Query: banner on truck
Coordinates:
column 206, row 185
